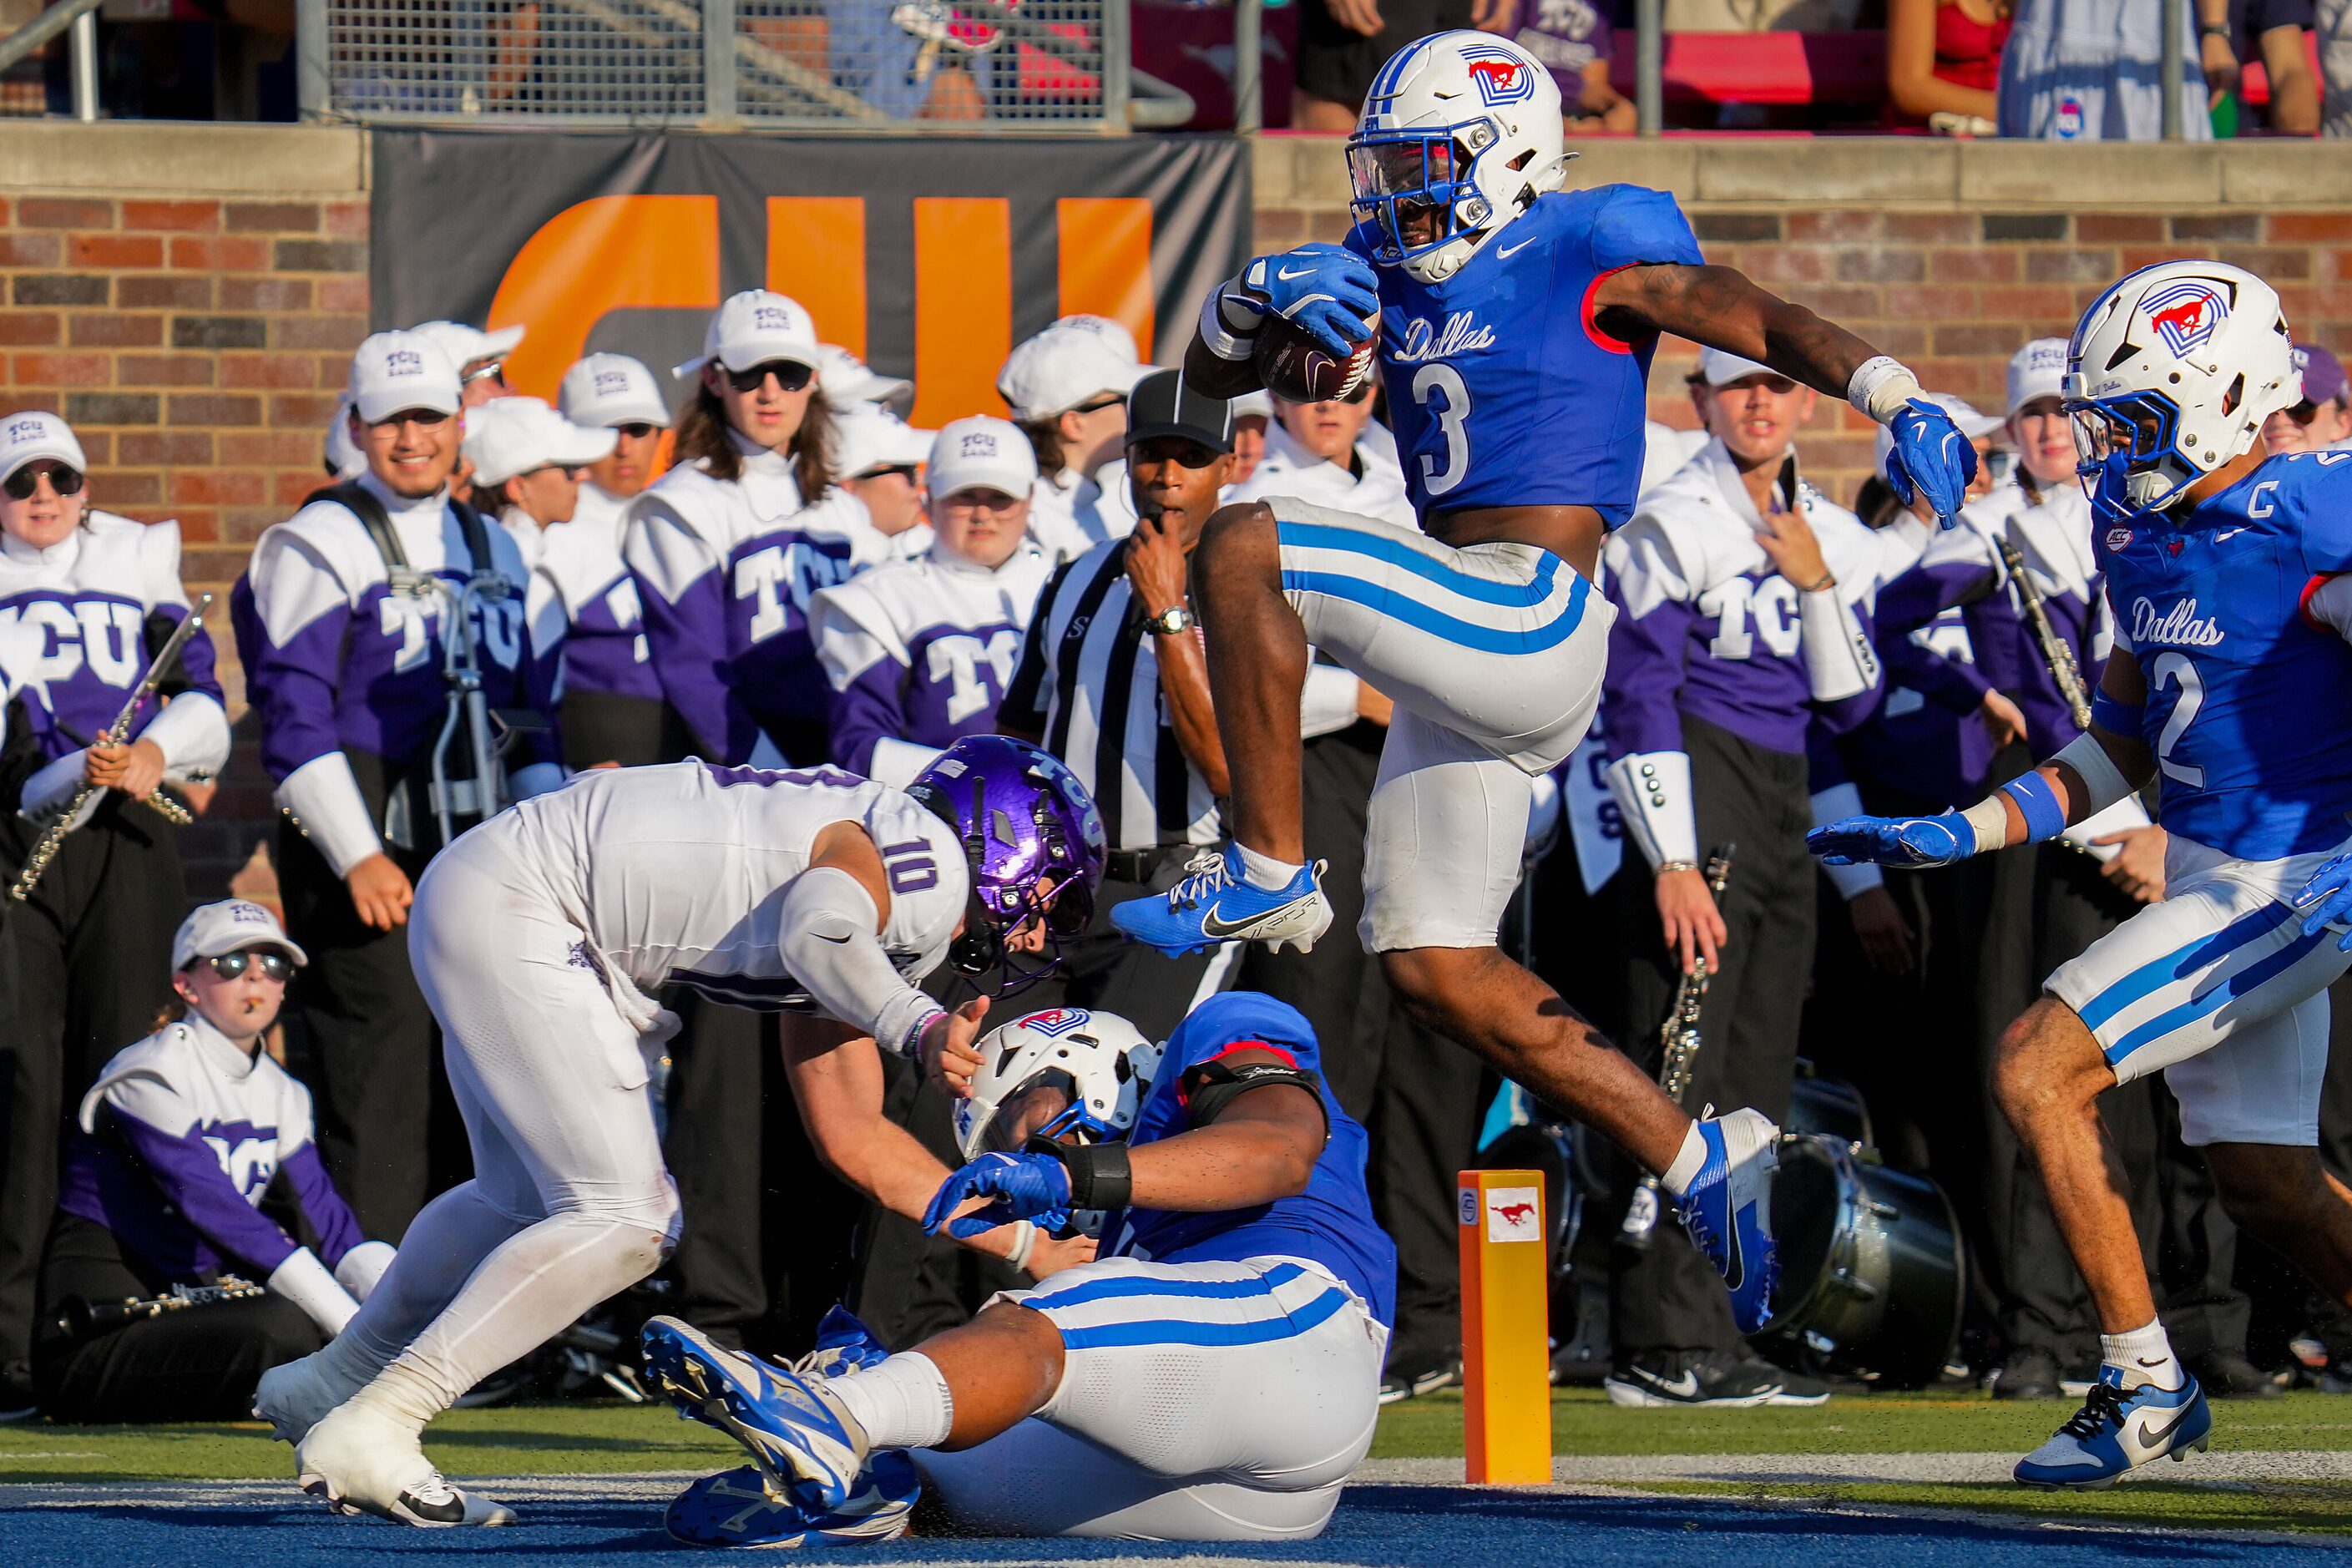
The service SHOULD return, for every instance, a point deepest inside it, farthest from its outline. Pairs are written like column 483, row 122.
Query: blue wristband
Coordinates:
column 2117, row 717
column 2044, row 817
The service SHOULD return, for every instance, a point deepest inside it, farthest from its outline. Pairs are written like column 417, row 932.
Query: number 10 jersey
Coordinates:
column 1502, row 390
column 677, row 873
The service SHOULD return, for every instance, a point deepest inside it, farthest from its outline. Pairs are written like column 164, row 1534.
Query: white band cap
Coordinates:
column 1075, row 361
column 27, row 437
column 981, row 451
column 753, row 328
column 512, row 435
column 2037, row 370
column 230, row 926
column 611, row 389
column 393, row 371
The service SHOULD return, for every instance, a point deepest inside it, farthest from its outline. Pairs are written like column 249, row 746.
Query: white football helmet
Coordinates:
column 2171, row 374
column 1460, row 134
column 1099, row 1061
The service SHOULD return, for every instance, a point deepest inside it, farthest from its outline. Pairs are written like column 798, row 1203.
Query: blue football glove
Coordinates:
column 1907, row 841
column 1327, row 291
column 2327, row 900
column 1021, row 1186
column 1930, row 458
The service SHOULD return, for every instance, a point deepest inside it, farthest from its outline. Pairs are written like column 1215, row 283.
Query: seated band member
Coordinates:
column 174, row 1149
column 1214, row 1375
column 540, row 940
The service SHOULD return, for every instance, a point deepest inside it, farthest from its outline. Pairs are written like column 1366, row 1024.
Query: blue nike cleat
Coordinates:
column 2117, row 1429
column 733, row 1508
column 1216, row 903
column 1729, row 1211
column 802, row 1441
column 843, row 1345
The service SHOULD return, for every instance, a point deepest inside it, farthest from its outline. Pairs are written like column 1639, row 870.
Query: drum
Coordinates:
column 1549, row 1147
column 1828, row 1105
column 1871, row 1274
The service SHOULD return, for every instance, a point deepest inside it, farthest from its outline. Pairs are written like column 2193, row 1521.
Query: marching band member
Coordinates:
column 919, row 651
column 173, row 1149
column 86, row 597
column 342, row 621
column 528, row 465
column 1743, row 603
column 881, row 458
column 730, row 546
column 541, row 941
column 1067, row 390
column 612, row 709
column 849, row 381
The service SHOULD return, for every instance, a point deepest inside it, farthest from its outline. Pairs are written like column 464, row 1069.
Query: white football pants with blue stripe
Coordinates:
column 1198, row 1401
column 2218, row 987
column 1493, row 655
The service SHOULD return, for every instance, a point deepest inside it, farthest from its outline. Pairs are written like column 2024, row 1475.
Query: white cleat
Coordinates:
column 296, row 1396
column 356, row 1461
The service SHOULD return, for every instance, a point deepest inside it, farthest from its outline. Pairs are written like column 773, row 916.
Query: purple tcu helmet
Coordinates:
column 1023, row 817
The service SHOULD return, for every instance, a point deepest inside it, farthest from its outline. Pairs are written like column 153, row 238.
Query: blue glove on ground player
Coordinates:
column 1022, row 1187
column 1931, row 458
column 2327, row 900
column 1327, row 291
column 1907, row 841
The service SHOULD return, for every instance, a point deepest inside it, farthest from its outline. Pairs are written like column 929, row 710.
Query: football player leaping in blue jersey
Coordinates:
column 2226, row 689
column 1515, row 326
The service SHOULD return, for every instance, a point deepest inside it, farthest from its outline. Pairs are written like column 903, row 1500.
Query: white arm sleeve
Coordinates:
column 192, row 732
column 304, row 1280
column 896, row 762
column 324, row 798
column 832, row 945
column 1654, row 790
column 1834, row 804
column 362, row 1266
column 54, row 784
column 1838, row 660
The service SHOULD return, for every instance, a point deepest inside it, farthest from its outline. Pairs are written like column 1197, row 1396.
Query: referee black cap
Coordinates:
column 1163, row 404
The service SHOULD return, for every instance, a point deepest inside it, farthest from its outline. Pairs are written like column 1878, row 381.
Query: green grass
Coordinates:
column 578, row 1437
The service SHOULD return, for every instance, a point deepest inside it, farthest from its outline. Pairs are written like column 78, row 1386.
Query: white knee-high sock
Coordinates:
column 447, row 1239
column 905, row 1403
column 523, row 1294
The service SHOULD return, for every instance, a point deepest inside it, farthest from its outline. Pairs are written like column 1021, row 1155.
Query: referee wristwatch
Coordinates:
column 1169, row 623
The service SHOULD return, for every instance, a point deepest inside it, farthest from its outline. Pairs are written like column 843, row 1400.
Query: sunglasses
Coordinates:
column 636, row 429
column 24, row 481
column 887, row 470
column 790, row 375
column 1095, row 406
column 494, row 370
column 2302, row 413
column 274, row 965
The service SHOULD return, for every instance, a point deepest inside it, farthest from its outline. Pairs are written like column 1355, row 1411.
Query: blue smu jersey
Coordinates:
column 2245, row 697
column 1501, row 390
column 1329, row 1224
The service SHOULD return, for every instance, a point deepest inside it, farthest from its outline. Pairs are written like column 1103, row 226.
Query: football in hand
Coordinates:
column 1297, row 369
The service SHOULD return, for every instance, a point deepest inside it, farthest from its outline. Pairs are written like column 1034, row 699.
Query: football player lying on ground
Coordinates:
column 2228, row 571
column 540, row 940
column 1214, row 1377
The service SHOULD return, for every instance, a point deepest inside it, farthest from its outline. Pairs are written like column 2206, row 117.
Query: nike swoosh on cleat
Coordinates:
column 1225, row 930
column 2156, row 1435
column 1683, row 1387
column 450, row 1512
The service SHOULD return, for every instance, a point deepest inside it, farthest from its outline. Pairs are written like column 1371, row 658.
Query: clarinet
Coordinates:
column 2055, row 651
column 172, row 811
column 1678, row 1042
column 85, row 1320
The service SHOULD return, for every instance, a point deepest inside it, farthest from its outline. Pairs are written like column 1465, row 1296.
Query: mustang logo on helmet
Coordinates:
column 1500, row 79
column 2186, row 315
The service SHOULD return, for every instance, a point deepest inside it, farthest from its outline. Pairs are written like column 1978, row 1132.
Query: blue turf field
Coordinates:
column 1379, row 1526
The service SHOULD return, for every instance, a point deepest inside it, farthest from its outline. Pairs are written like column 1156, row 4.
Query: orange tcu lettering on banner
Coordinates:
column 623, row 252
column 608, row 252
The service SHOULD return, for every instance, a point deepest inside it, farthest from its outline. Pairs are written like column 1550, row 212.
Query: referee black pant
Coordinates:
column 90, row 954
column 1665, row 1297
column 1416, row 1092
column 388, row 1127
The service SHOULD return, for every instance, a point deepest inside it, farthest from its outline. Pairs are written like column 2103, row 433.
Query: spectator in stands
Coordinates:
column 1343, row 43
column 175, row 1147
column 1761, row 15
column 920, row 652
column 1573, row 40
column 2091, row 70
column 2322, row 419
column 93, row 597
column 1943, row 63
column 2333, row 21
column 2231, row 32
column 1067, row 388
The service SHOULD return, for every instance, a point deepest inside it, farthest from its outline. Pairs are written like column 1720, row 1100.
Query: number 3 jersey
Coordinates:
column 677, row 873
column 2247, row 710
column 1502, row 390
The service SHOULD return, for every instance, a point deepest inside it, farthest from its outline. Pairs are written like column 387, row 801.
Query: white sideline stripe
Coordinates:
column 1913, row 1469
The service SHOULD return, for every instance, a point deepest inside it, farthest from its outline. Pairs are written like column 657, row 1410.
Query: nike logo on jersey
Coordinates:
column 2228, row 533
column 1505, row 252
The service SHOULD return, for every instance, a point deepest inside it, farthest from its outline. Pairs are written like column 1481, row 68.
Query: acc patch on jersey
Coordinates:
column 1500, row 78
column 1056, row 1022
column 2118, row 537
column 2186, row 315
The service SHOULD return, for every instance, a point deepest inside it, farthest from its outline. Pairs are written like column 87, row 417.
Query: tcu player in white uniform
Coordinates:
column 733, row 543
column 540, row 941
column 1517, row 323
column 919, row 651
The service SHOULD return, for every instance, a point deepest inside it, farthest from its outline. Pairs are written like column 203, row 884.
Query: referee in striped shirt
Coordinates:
column 1112, row 681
